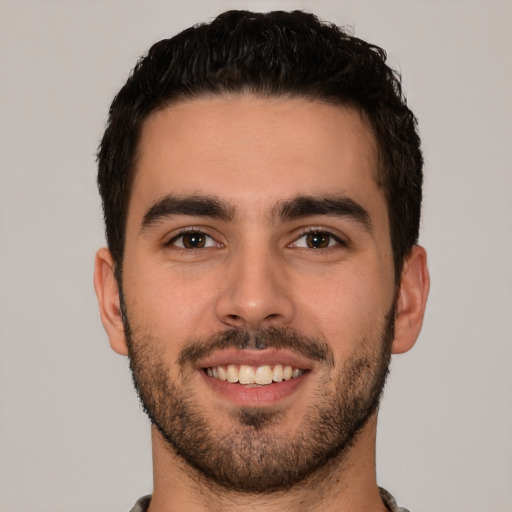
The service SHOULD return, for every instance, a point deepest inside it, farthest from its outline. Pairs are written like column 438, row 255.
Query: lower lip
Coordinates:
column 254, row 396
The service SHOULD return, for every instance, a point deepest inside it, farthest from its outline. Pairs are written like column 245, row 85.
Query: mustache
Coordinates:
column 271, row 337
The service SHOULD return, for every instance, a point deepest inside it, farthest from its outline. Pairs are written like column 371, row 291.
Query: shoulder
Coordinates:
column 142, row 504
column 390, row 502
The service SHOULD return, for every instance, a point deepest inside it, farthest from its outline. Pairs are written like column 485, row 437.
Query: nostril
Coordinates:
column 254, row 310
column 235, row 320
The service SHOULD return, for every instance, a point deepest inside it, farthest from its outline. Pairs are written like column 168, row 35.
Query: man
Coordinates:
column 261, row 182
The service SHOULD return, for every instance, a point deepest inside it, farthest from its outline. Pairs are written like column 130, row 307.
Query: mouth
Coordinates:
column 262, row 375
column 255, row 377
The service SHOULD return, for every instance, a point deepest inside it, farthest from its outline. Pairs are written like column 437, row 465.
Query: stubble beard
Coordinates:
column 249, row 455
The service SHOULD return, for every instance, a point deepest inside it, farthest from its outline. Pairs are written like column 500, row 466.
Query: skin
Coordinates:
column 257, row 270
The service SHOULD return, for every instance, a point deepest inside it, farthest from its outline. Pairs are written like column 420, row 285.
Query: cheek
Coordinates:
column 168, row 305
column 350, row 307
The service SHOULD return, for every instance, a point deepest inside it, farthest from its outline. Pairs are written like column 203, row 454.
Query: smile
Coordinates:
column 254, row 375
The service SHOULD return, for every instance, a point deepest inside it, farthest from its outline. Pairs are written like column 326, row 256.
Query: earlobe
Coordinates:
column 107, row 292
column 412, row 300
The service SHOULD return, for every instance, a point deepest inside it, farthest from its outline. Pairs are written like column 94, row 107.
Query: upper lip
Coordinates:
column 254, row 357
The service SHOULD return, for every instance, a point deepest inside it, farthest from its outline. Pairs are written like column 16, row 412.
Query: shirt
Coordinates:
column 390, row 502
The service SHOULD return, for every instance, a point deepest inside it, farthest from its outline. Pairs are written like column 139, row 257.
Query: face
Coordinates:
column 258, row 285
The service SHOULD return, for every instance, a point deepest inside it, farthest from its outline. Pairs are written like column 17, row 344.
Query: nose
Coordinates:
column 255, row 292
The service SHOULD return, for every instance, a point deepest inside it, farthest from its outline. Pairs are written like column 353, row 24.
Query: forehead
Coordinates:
column 255, row 151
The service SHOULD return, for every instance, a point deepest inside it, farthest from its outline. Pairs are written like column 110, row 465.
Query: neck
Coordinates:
column 345, row 484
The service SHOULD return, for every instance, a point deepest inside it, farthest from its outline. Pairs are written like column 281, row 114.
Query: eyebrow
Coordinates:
column 197, row 206
column 339, row 206
column 296, row 208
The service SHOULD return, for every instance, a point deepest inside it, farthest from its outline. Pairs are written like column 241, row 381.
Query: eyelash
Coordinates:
column 320, row 231
column 312, row 231
column 182, row 234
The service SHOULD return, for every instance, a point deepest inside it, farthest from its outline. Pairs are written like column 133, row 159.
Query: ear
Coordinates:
column 107, row 292
column 412, row 299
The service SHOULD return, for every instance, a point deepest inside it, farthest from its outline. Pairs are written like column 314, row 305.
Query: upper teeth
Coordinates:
column 245, row 374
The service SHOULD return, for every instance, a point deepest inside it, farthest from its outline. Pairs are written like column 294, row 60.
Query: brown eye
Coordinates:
column 193, row 240
column 318, row 240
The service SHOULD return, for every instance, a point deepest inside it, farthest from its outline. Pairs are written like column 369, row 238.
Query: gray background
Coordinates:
column 72, row 436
